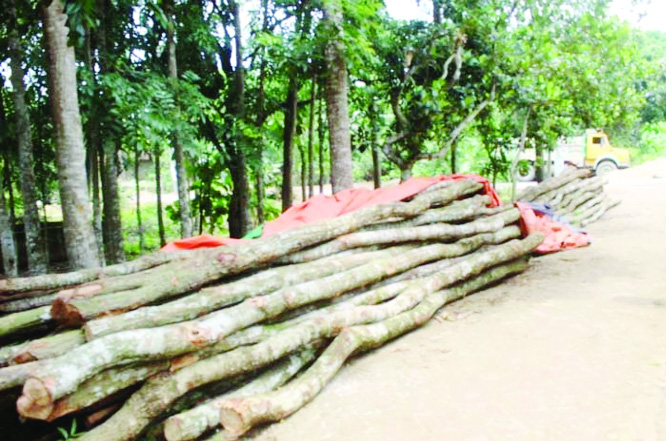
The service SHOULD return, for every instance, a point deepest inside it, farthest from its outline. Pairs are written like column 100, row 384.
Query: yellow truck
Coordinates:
column 590, row 150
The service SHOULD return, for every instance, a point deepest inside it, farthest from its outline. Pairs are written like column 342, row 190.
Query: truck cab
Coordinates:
column 601, row 155
column 591, row 150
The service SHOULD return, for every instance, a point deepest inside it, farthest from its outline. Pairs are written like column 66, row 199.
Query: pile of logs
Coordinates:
column 577, row 196
column 208, row 344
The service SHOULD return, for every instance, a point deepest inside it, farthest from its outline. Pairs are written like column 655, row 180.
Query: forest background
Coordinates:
column 216, row 115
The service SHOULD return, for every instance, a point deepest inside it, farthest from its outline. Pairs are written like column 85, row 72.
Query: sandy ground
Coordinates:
column 573, row 349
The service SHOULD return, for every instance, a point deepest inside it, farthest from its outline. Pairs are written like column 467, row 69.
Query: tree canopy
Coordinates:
column 246, row 99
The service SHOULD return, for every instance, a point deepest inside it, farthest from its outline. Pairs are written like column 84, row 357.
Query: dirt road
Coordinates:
column 574, row 349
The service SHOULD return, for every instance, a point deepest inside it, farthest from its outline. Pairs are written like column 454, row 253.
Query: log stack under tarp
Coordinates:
column 576, row 196
column 209, row 344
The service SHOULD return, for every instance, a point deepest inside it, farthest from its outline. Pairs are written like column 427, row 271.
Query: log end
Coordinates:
column 66, row 313
column 172, row 430
column 36, row 401
column 231, row 418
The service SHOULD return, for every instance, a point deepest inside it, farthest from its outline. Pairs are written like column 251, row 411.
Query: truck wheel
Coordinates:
column 526, row 171
column 605, row 167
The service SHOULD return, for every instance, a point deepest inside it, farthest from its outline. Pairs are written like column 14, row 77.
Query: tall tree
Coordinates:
column 33, row 238
column 79, row 235
column 336, row 97
column 107, row 144
column 7, row 243
column 179, row 154
column 239, row 210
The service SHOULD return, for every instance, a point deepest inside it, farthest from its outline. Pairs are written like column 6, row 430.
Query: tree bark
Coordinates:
column 33, row 238
column 158, row 193
column 239, row 211
column 79, row 235
column 336, row 98
column 107, row 146
column 290, row 121
column 304, row 171
column 374, row 146
column 321, row 128
column 9, row 260
column 179, row 154
column 311, row 122
column 49, row 347
column 115, row 252
column 139, row 224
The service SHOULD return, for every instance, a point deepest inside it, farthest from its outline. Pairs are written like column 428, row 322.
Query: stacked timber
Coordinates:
column 577, row 196
column 208, row 344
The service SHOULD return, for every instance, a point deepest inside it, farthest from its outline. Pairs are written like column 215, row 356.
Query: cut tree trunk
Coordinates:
column 533, row 193
column 193, row 423
column 238, row 415
column 49, row 347
column 159, row 393
column 216, row 297
column 172, row 340
column 207, row 266
column 55, row 281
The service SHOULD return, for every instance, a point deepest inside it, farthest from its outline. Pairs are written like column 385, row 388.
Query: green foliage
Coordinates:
column 70, row 434
column 652, row 144
column 413, row 85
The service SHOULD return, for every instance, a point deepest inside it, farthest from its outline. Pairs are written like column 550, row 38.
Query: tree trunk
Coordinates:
column 179, row 154
column 454, row 165
column 7, row 182
column 313, row 96
column 336, row 98
column 374, row 146
column 437, row 11
column 9, row 261
column 239, row 213
column 33, row 238
column 261, row 119
column 290, row 121
column 321, row 129
column 405, row 172
column 96, row 201
column 304, row 171
column 139, row 224
column 94, row 149
column 79, row 235
column 239, row 210
column 158, row 192
column 112, row 224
